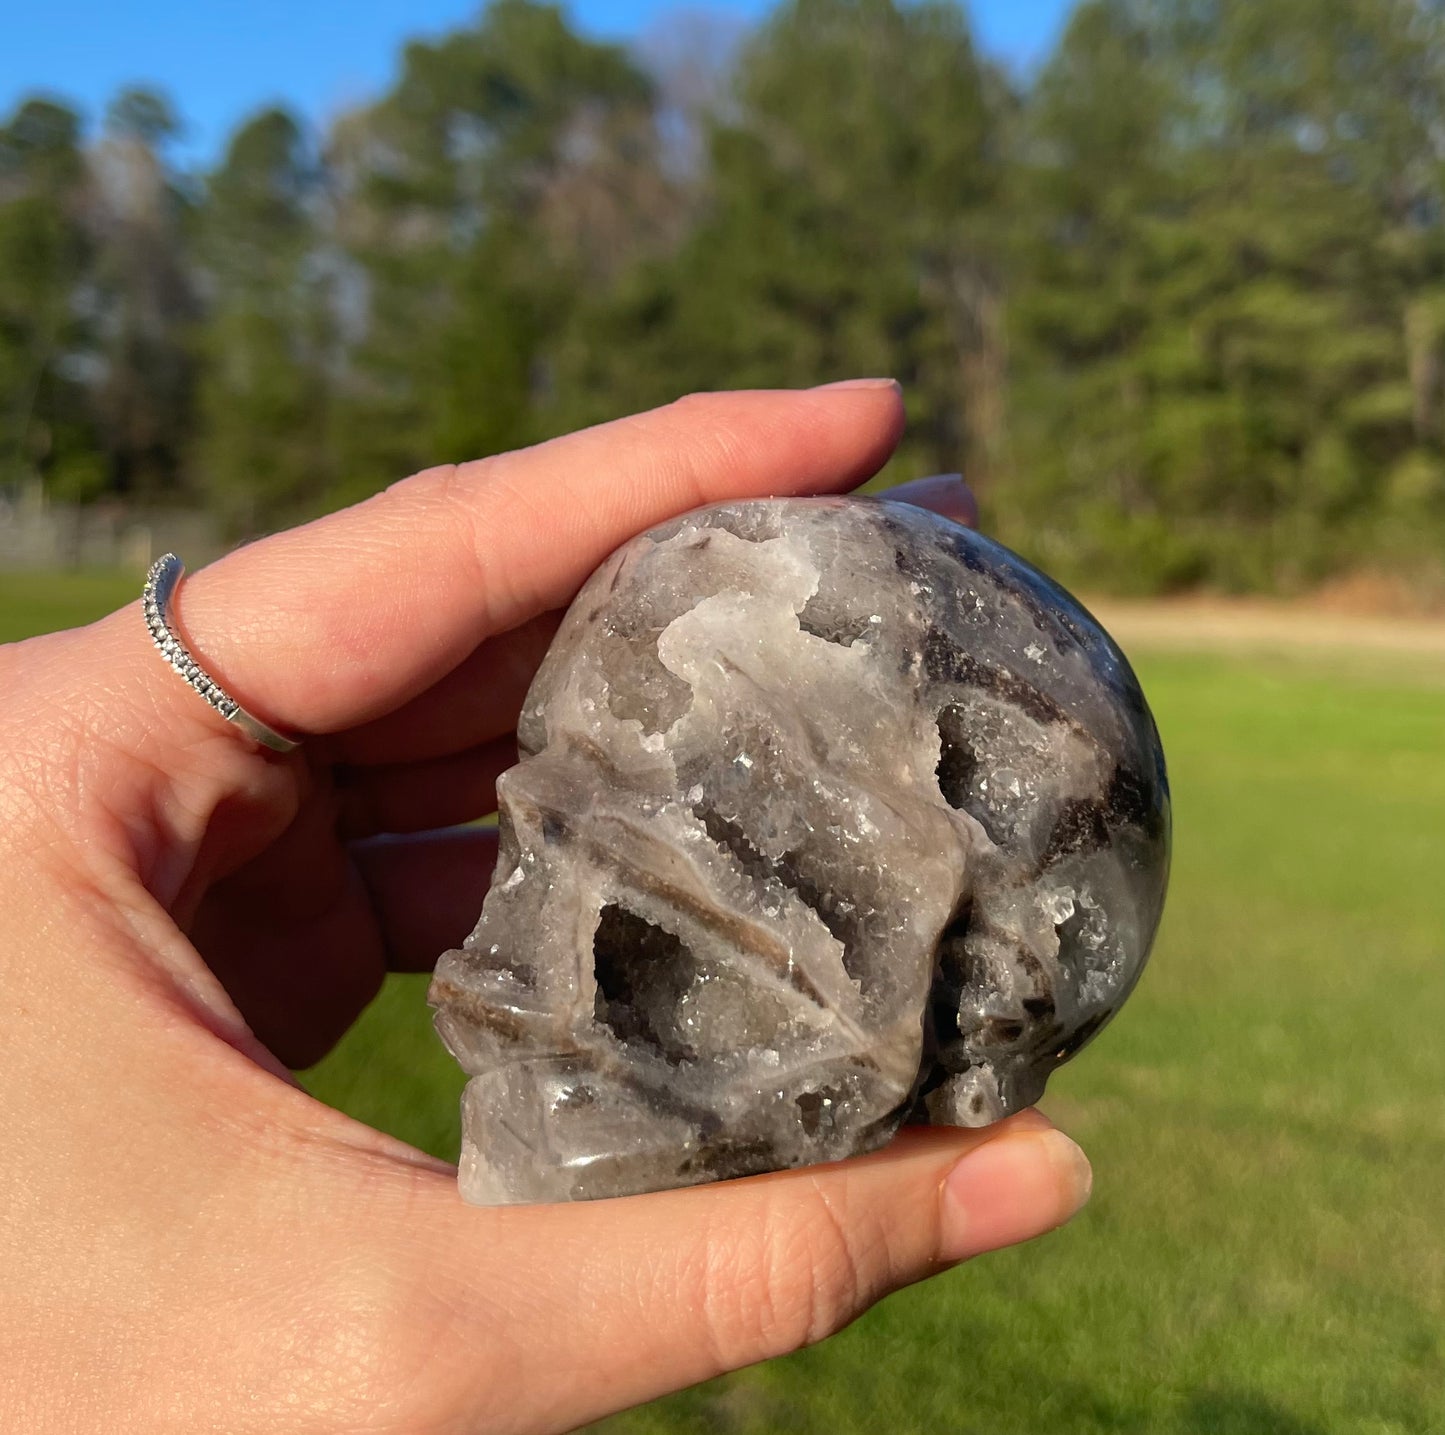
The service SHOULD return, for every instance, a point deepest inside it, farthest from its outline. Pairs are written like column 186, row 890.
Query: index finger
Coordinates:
column 328, row 625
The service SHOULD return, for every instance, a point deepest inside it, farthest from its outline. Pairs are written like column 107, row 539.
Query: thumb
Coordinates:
column 644, row 1295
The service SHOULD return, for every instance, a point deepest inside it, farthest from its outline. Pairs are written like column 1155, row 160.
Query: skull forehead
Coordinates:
column 955, row 611
column 830, row 812
column 700, row 621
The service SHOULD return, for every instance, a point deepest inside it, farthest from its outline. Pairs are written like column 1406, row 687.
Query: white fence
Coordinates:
column 37, row 534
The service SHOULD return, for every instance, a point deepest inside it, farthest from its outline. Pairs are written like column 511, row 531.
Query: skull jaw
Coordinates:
column 551, row 1130
column 529, row 1138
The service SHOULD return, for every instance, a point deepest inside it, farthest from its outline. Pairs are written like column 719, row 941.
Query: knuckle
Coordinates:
column 439, row 477
column 799, row 1272
column 705, row 441
column 688, row 405
column 439, row 500
column 460, row 508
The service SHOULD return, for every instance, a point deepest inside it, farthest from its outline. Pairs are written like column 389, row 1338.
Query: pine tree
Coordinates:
column 847, row 227
column 268, row 341
column 45, row 428
column 140, row 290
column 474, row 205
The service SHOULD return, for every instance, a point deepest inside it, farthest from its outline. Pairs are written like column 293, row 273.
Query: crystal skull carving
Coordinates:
column 830, row 814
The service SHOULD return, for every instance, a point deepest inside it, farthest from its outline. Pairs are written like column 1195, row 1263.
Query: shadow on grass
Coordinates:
column 1239, row 1412
column 741, row 1405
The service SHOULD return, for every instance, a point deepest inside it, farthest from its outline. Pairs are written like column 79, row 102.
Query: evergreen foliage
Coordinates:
column 1177, row 306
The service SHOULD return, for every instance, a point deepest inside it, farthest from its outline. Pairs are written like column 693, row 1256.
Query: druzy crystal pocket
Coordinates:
column 830, row 815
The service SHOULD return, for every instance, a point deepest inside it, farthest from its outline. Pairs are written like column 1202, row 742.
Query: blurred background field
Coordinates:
column 1167, row 281
column 1263, row 1253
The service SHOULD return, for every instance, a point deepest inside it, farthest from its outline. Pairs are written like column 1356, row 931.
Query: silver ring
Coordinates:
column 161, row 582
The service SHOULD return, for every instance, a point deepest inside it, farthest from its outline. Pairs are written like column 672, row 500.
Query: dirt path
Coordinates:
column 1250, row 626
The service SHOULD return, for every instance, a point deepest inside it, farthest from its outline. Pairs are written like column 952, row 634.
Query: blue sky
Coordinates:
column 221, row 59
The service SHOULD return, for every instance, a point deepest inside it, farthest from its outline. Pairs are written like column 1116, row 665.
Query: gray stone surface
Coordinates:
column 830, row 814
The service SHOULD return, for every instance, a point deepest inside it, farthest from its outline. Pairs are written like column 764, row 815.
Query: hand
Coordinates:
column 191, row 1243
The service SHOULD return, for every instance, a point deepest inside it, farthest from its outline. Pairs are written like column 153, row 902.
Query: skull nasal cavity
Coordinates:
column 642, row 972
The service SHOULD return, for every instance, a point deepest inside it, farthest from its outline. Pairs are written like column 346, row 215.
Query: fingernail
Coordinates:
column 1010, row 1189
column 864, row 384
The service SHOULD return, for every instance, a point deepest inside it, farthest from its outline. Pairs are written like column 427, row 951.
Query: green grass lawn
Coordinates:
column 1265, row 1251
column 40, row 602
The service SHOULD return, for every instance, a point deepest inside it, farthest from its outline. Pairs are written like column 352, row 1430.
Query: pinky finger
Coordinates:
column 944, row 493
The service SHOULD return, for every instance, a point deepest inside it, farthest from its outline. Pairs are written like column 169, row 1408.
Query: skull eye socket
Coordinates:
column 642, row 972
column 658, row 997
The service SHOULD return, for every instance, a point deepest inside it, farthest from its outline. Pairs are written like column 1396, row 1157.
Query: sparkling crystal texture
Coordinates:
column 830, row 814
